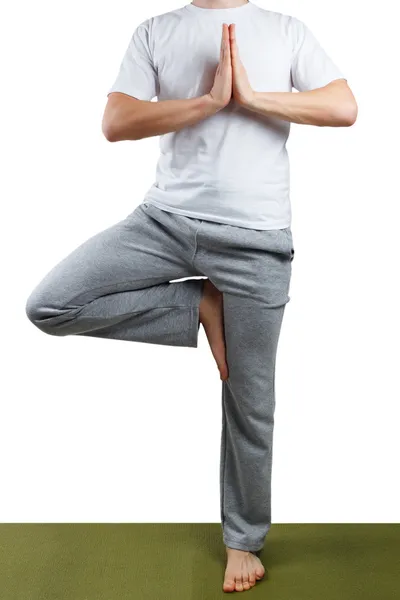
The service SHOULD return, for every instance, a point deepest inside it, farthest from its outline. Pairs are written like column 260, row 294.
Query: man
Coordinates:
column 220, row 209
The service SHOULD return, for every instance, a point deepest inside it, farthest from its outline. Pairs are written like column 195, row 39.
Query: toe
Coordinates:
column 223, row 371
column 239, row 584
column 229, row 584
column 245, row 579
column 260, row 572
column 252, row 579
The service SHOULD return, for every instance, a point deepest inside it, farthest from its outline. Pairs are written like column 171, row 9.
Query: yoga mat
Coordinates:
column 168, row 561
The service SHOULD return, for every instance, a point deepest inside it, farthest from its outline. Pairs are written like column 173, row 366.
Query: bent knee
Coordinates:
column 45, row 316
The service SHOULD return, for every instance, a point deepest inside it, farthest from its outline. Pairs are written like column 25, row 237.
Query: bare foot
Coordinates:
column 211, row 317
column 243, row 569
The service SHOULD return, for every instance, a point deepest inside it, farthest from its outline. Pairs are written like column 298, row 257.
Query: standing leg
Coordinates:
column 117, row 284
column 248, row 403
column 252, row 269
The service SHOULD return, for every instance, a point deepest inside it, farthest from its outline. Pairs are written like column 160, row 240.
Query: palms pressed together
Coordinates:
column 231, row 79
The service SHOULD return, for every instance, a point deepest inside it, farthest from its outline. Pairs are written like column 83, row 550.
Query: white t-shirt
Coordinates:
column 231, row 167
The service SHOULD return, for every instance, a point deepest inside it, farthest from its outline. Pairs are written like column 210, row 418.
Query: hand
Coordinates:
column 241, row 88
column 221, row 92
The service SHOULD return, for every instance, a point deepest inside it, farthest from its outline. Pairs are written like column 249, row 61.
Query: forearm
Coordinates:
column 127, row 121
column 315, row 107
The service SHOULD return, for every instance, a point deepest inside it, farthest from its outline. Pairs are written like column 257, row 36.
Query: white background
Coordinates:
column 106, row 430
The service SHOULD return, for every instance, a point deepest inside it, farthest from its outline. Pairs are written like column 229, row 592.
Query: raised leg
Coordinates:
column 117, row 284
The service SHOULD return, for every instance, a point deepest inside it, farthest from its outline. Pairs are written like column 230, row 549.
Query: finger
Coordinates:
column 226, row 38
column 221, row 54
column 233, row 44
column 226, row 51
column 232, row 32
column 227, row 45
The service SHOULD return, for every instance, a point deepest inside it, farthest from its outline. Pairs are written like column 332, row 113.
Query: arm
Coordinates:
column 332, row 105
column 127, row 117
column 324, row 97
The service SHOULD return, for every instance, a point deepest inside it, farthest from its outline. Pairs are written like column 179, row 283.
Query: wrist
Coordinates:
column 252, row 102
column 210, row 105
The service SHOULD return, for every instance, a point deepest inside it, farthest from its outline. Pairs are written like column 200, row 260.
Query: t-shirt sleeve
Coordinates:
column 311, row 66
column 137, row 75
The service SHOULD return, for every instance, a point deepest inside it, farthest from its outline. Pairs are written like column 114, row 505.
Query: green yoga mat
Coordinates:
column 153, row 561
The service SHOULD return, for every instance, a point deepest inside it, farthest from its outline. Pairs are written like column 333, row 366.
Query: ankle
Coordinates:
column 236, row 551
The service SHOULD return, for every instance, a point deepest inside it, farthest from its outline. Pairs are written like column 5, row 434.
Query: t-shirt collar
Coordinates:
column 235, row 10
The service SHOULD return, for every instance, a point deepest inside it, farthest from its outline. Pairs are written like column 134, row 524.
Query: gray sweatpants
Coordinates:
column 117, row 285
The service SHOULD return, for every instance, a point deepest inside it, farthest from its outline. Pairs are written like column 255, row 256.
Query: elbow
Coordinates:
column 113, row 133
column 120, row 122
column 110, row 131
column 347, row 115
column 111, row 119
column 109, row 135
